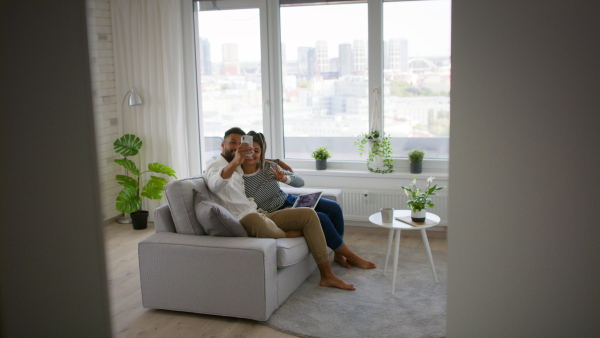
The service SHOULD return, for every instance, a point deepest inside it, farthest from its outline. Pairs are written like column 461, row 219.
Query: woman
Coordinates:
column 261, row 183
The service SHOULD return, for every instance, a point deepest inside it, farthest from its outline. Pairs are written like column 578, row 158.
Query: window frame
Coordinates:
column 272, row 87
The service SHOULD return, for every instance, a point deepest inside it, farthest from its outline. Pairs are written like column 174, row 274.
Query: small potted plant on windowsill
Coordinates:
column 416, row 161
column 130, row 198
column 380, row 156
column 321, row 155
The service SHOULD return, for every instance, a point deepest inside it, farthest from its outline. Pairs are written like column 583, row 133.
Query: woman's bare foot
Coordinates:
column 354, row 259
column 293, row 233
column 336, row 283
column 341, row 260
column 361, row 262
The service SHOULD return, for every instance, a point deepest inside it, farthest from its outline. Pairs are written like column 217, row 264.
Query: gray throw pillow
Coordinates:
column 216, row 220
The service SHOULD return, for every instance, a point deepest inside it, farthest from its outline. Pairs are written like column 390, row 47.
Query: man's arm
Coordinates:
column 238, row 159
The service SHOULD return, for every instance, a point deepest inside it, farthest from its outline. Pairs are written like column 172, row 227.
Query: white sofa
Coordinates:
column 183, row 269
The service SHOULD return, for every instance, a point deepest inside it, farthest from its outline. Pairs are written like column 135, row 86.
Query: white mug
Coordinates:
column 387, row 215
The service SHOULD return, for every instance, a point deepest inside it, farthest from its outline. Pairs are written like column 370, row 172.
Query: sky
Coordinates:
column 420, row 22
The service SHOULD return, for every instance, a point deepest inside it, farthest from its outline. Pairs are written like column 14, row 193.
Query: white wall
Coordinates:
column 107, row 120
column 523, row 253
column 52, row 269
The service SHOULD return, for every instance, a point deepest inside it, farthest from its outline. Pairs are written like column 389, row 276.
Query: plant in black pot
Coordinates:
column 416, row 161
column 129, row 200
column 321, row 155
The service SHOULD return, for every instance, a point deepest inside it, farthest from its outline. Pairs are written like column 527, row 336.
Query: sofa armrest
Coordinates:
column 225, row 276
column 332, row 194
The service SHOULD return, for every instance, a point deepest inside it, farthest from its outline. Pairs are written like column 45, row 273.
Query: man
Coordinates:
column 224, row 178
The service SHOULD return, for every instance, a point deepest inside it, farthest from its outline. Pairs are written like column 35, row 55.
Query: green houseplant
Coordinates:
column 419, row 199
column 380, row 156
column 416, row 161
column 134, row 189
column 321, row 155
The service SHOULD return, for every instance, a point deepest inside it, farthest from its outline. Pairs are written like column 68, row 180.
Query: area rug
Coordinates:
column 417, row 309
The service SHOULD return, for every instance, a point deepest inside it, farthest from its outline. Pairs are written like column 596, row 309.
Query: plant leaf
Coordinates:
column 127, row 181
column 128, row 201
column 160, row 168
column 129, row 165
column 127, row 145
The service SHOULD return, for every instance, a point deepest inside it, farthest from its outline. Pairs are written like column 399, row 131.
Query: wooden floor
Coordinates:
column 130, row 319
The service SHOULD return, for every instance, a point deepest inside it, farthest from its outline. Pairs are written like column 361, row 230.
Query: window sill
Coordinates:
column 367, row 174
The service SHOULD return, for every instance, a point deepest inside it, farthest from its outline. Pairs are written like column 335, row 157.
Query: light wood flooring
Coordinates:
column 130, row 319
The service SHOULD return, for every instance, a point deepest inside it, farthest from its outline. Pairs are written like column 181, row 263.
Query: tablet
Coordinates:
column 308, row 200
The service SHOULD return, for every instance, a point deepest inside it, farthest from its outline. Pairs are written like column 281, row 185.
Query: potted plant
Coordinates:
column 416, row 161
column 134, row 189
column 380, row 157
column 321, row 155
column 419, row 199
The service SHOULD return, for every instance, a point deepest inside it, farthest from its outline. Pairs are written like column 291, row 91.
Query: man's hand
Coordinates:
column 241, row 152
column 238, row 159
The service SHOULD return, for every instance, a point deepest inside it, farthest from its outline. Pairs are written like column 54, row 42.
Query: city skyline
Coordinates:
column 419, row 22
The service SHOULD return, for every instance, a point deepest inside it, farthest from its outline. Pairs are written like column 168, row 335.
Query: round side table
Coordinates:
column 395, row 227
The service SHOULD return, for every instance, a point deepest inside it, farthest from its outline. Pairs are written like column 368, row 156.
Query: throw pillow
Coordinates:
column 216, row 220
column 182, row 202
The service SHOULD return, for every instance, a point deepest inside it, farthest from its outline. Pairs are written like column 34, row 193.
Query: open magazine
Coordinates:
column 308, row 200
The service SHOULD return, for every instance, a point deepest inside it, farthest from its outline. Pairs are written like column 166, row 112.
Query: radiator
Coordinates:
column 360, row 204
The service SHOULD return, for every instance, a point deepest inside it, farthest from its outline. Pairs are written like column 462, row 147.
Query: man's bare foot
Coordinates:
column 341, row 260
column 293, row 233
column 361, row 262
column 335, row 282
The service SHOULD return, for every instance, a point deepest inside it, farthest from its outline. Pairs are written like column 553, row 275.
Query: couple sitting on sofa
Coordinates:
column 225, row 178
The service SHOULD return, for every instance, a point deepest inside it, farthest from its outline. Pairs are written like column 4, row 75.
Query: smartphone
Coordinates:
column 248, row 139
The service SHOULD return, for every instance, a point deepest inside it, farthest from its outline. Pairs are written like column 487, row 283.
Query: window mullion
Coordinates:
column 375, row 13
column 274, row 106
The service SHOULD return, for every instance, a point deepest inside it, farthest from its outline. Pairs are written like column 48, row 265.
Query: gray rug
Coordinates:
column 417, row 309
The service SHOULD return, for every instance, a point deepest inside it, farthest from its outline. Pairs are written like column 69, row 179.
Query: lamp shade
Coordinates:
column 135, row 99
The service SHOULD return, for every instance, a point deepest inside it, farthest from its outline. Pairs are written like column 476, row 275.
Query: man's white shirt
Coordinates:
column 229, row 192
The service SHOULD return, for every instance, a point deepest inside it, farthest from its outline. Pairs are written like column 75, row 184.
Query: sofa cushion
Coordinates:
column 180, row 194
column 290, row 251
column 216, row 220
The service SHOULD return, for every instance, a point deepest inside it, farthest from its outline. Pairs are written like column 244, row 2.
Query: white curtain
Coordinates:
column 148, row 54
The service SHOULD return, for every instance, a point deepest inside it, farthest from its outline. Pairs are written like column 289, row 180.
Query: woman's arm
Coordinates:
column 282, row 165
column 286, row 177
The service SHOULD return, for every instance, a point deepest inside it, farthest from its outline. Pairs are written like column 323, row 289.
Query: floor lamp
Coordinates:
column 134, row 100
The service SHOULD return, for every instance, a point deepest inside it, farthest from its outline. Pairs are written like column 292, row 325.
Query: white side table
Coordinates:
column 395, row 228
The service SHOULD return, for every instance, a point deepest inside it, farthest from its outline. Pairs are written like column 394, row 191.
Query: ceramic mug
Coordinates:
column 387, row 215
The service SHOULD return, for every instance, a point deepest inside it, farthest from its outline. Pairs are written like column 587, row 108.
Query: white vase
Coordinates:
column 418, row 216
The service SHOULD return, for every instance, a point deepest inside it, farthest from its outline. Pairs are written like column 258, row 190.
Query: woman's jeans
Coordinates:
column 331, row 217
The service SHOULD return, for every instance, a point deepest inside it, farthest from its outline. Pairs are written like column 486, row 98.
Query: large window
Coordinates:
column 417, row 76
column 299, row 72
column 325, row 78
column 228, row 54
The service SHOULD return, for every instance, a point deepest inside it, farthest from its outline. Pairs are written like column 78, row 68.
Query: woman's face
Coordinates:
column 255, row 155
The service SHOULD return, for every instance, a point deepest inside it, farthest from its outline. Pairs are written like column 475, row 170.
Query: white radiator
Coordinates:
column 360, row 204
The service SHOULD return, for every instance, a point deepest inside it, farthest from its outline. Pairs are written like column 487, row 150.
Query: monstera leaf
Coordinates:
column 128, row 145
column 129, row 165
column 153, row 189
column 127, row 181
column 128, row 200
column 160, row 168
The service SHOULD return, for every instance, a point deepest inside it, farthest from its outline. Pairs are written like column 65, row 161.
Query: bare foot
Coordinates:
column 293, row 233
column 361, row 262
column 341, row 260
column 335, row 282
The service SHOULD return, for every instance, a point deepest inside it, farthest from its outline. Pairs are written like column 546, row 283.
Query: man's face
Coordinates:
column 230, row 145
